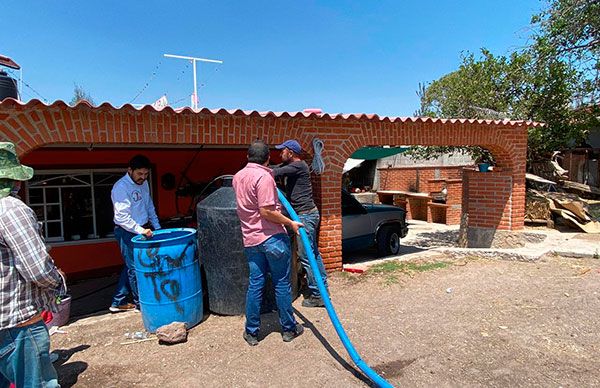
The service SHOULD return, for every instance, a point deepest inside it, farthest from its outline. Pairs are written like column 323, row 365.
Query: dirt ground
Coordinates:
column 473, row 322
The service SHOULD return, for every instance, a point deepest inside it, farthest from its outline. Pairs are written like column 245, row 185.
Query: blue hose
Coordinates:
column 371, row 374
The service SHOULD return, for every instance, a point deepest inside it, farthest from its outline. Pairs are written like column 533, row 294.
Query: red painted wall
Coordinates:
column 84, row 260
column 207, row 164
column 78, row 258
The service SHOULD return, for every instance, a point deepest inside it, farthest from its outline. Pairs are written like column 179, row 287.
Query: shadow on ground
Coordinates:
column 91, row 296
column 309, row 325
column 441, row 238
column 393, row 368
column 68, row 372
column 371, row 254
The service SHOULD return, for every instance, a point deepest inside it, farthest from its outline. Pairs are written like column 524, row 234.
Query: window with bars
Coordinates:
column 73, row 205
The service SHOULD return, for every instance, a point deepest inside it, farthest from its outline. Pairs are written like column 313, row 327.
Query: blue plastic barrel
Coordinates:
column 168, row 277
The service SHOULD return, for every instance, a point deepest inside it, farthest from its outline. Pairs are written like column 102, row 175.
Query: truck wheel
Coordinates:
column 388, row 240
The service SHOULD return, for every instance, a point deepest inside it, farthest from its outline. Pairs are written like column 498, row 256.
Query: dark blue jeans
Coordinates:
column 25, row 357
column 127, row 280
column 311, row 225
column 274, row 256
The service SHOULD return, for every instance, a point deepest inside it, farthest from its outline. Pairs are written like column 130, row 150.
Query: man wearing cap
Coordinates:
column 29, row 281
column 133, row 214
column 299, row 192
column 266, row 243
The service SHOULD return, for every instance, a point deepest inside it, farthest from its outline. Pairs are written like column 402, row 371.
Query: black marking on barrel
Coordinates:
column 154, row 262
column 173, row 293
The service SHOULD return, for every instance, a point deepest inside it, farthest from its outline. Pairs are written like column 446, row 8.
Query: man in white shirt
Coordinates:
column 133, row 211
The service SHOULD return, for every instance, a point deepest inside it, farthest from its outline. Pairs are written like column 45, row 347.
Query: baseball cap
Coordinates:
column 293, row 145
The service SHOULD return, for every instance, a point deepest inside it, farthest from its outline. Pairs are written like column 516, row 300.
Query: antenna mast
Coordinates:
column 194, row 60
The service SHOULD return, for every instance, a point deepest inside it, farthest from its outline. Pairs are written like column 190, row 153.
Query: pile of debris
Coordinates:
column 545, row 204
column 548, row 206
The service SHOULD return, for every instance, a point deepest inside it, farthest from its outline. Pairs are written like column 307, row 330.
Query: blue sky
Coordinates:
column 341, row 56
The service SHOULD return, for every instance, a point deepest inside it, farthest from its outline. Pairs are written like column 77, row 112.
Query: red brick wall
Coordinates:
column 416, row 179
column 488, row 200
column 423, row 179
column 454, row 201
column 34, row 125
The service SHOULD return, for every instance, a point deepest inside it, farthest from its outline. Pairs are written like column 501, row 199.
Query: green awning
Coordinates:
column 372, row 153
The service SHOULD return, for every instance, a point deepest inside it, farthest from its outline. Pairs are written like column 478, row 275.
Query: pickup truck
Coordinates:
column 369, row 225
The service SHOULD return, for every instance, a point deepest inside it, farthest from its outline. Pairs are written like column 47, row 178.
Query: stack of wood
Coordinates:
column 540, row 206
column 586, row 190
column 544, row 204
column 537, row 208
column 550, row 169
column 571, row 208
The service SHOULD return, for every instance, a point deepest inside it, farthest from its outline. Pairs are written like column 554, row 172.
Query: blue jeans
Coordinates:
column 127, row 280
column 274, row 256
column 311, row 225
column 25, row 357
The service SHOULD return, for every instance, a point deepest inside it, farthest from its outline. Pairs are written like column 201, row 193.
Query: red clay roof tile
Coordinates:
column 238, row 112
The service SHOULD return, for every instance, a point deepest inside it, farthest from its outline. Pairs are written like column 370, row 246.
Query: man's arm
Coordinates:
column 284, row 170
column 275, row 216
column 152, row 215
column 266, row 193
column 21, row 234
column 121, row 207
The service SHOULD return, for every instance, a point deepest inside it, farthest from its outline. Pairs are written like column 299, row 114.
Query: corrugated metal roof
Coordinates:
column 253, row 113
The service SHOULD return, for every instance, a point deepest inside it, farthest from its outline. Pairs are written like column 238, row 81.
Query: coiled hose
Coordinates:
column 371, row 374
column 318, row 165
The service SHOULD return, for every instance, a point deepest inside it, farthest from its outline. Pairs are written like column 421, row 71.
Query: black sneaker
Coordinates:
column 251, row 339
column 313, row 301
column 290, row 335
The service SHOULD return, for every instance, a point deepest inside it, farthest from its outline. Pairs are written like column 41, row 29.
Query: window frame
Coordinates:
column 58, row 173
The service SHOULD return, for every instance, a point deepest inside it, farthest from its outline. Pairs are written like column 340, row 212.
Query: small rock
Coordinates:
column 484, row 334
column 172, row 333
column 566, row 294
column 449, row 290
column 503, row 327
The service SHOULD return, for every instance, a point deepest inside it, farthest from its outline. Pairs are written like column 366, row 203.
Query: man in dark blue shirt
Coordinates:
column 298, row 190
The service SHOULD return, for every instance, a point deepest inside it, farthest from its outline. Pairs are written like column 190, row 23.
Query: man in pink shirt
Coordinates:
column 266, row 243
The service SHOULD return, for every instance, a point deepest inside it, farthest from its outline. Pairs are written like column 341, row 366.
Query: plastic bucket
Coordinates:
column 484, row 167
column 63, row 309
column 61, row 317
column 168, row 277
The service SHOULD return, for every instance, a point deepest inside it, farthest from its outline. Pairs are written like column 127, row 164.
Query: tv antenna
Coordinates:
column 194, row 60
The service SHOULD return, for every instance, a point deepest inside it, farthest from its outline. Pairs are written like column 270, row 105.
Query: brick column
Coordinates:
column 488, row 201
column 454, row 201
column 487, row 198
column 330, row 233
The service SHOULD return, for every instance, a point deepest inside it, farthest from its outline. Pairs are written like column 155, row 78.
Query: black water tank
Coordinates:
column 222, row 255
column 8, row 86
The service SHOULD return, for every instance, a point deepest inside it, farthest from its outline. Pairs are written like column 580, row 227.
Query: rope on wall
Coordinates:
column 318, row 165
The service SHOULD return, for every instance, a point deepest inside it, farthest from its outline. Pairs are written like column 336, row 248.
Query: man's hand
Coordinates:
column 275, row 216
column 148, row 233
column 296, row 226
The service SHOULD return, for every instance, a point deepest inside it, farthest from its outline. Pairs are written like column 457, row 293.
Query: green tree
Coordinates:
column 568, row 33
column 569, row 30
column 554, row 80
